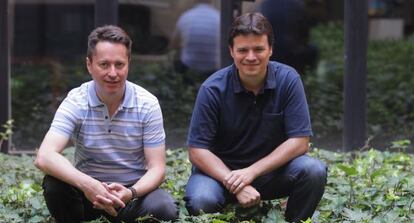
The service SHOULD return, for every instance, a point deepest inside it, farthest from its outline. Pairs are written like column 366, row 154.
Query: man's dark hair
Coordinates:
column 251, row 23
column 110, row 33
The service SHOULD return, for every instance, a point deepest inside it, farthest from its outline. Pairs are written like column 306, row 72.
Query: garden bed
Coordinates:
column 363, row 186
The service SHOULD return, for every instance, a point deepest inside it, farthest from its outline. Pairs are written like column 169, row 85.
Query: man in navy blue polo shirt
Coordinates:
column 250, row 131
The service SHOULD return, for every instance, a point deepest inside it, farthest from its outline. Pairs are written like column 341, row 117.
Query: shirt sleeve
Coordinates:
column 65, row 118
column 153, row 131
column 296, row 111
column 204, row 120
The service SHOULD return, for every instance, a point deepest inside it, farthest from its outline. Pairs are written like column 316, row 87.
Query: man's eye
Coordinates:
column 119, row 65
column 103, row 65
column 241, row 50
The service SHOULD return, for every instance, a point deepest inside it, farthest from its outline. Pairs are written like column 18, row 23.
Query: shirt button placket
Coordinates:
column 107, row 121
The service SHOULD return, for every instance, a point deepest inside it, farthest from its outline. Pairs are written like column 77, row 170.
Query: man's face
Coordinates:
column 251, row 55
column 109, row 68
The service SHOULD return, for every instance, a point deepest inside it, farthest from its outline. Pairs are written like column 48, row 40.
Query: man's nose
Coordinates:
column 251, row 55
column 112, row 71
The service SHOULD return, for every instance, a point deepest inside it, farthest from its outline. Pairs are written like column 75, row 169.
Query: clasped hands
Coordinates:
column 238, row 183
column 108, row 197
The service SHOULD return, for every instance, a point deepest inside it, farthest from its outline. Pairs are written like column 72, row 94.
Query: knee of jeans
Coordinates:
column 204, row 203
column 164, row 209
column 316, row 170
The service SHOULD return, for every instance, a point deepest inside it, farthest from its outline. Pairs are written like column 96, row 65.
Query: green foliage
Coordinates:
column 400, row 145
column 7, row 130
column 390, row 79
column 324, row 85
column 366, row 186
column 21, row 198
column 37, row 89
column 176, row 97
column 389, row 83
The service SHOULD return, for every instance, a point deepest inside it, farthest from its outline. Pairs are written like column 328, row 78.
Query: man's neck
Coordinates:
column 253, row 84
column 111, row 101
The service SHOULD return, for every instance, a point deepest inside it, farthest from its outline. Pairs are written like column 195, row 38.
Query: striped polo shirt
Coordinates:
column 111, row 150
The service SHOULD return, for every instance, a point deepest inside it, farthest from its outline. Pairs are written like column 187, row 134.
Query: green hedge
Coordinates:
column 390, row 80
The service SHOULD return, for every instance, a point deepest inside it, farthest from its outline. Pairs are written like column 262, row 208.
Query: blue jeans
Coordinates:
column 302, row 179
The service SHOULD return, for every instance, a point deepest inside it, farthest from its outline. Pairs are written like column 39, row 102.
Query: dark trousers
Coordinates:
column 303, row 180
column 68, row 204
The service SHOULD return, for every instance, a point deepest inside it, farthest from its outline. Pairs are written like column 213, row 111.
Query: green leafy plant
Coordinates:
column 363, row 186
column 21, row 197
column 8, row 131
column 389, row 92
column 400, row 145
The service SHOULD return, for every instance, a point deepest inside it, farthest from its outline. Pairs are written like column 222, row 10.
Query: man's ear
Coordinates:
column 88, row 64
column 231, row 51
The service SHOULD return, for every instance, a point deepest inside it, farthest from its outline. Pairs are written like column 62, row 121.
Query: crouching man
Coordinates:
column 250, row 130
column 117, row 130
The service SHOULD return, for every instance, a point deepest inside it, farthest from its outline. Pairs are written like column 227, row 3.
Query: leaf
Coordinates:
column 36, row 203
column 274, row 216
column 35, row 219
column 349, row 170
column 377, row 173
column 356, row 215
column 218, row 221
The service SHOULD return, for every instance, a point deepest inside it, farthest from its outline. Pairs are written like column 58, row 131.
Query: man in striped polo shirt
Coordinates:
column 117, row 129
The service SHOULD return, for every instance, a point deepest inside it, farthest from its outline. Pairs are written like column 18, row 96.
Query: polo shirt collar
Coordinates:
column 271, row 79
column 92, row 96
column 270, row 82
column 94, row 101
column 128, row 98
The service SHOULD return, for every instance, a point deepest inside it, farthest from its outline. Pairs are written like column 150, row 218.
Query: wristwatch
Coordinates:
column 134, row 193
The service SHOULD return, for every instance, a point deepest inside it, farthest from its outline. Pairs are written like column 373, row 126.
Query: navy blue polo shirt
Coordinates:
column 241, row 128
